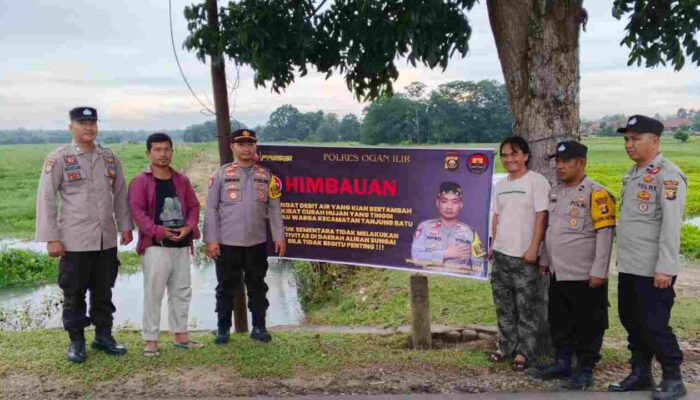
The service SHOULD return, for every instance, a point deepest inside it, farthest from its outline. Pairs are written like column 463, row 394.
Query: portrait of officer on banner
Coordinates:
column 446, row 244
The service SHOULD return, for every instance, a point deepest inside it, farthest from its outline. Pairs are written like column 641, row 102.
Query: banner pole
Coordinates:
column 420, row 312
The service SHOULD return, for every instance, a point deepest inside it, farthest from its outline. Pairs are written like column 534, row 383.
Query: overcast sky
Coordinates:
column 116, row 56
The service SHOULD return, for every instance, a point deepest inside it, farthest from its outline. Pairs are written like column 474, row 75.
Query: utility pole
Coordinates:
column 223, row 132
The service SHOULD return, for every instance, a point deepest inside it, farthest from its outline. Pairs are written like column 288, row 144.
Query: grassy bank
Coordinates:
column 332, row 356
column 23, row 268
column 380, row 297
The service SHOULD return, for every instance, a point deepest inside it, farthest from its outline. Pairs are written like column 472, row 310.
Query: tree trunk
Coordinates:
column 537, row 42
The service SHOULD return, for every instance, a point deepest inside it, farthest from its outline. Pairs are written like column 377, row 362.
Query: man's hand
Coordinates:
column 213, row 251
column 280, row 247
column 544, row 270
column 662, row 281
column 458, row 251
column 55, row 248
column 127, row 237
column 178, row 234
column 595, row 282
column 530, row 256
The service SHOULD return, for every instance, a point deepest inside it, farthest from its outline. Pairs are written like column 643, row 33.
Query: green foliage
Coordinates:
column 317, row 282
column 206, row 132
column 681, row 135
column 690, row 242
column 358, row 38
column 349, row 129
column 660, row 31
column 26, row 268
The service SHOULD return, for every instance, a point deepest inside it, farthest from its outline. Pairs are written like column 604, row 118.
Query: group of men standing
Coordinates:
column 567, row 232
column 88, row 182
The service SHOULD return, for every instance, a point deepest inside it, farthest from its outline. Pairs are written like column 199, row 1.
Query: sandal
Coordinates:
column 151, row 352
column 189, row 345
column 520, row 366
column 496, row 356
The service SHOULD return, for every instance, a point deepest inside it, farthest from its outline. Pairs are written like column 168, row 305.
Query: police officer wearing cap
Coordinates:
column 446, row 244
column 89, row 181
column 648, row 239
column 243, row 196
column 577, row 249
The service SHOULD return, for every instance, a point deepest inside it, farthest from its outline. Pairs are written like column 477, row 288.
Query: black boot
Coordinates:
column 671, row 387
column 76, row 349
column 559, row 369
column 639, row 379
column 259, row 332
column 223, row 332
column 104, row 341
column 581, row 379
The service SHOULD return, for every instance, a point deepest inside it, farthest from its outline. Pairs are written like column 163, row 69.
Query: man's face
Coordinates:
column 570, row 170
column 513, row 160
column 244, row 151
column 641, row 146
column 449, row 205
column 161, row 154
column 83, row 131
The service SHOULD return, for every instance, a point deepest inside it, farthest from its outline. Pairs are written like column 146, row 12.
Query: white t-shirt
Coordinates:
column 516, row 202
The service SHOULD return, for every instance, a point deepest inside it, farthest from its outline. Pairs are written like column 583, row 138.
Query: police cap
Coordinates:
column 450, row 188
column 643, row 124
column 570, row 149
column 243, row 135
column 83, row 113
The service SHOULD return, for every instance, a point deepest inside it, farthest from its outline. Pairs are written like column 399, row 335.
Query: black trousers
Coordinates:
column 645, row 312
column 82, row 271
column 234, row 263
column 578, row 318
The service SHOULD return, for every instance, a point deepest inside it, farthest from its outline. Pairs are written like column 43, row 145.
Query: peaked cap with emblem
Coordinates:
column 570, row 149
column 243, row 135
column 82, row 114
column 643, row 124
column 450, row 188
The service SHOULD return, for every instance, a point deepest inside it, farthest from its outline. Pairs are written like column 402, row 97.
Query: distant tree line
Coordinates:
column 40, row 136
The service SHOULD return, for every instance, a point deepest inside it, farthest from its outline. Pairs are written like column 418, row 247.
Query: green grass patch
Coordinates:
column 24, row 268
column 380, row 297
column 690, row 242
column 43, row 353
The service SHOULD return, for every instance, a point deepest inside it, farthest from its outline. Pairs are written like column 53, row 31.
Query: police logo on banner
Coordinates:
column 451, row 161
column 477, row 163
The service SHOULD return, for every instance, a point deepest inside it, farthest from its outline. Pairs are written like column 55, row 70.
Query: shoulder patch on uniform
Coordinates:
column 602, row 209
column 211, row 180
column 274, row 191
column 48, row 165
column 477, row 248
column 419, row 232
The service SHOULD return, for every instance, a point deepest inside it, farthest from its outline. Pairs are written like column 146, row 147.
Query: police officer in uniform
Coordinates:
column 89, row 181
column 243, row 196
column 447, row 244
column 651, row 215
column 578, row 244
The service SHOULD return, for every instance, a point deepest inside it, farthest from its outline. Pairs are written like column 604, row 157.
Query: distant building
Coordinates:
column 672, row 124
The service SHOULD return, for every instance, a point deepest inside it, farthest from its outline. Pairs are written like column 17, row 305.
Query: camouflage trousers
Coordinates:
column 519, row 298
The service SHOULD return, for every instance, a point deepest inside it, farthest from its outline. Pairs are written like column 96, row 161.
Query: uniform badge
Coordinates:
column 643, row 207
column 671, row 183
column 478, row 250
column 48, row 165
column 451, row 161
column 573, row 222
column 233, row 186
column 602, row 203
column 670, row 192
column 648, row 178
column 574, row 212
column 581, row 201
column 654, row 171
column 230, row 172
column 70, row 160
column 644, row 195
column 74, row 176
column 261, row 195
column 419, row 231
column 233, row 195
column 477, row 163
